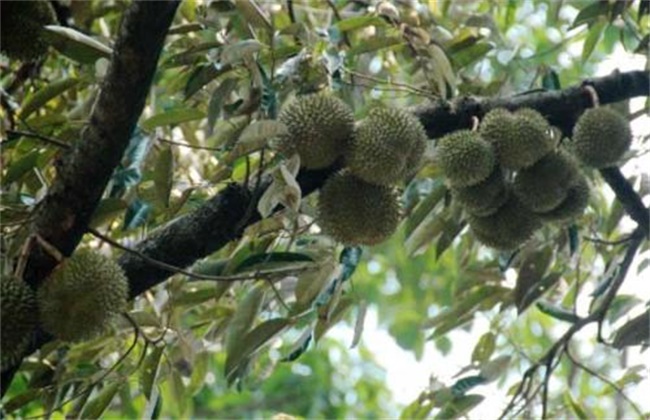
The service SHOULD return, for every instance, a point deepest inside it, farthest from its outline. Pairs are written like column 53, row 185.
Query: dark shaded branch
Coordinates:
column 562, row 107
column 628, row 197
column 62, row 217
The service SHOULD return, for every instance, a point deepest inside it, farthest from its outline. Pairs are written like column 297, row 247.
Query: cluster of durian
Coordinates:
column 78, row 301
column 21, row 28
column 510, row 177
column 359, row 205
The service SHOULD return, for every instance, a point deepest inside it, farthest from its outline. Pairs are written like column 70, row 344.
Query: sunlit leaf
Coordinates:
column 253, row 14
column 219, row 96
column 377, row 43
column 358, row 22
column 76, row 45
column 557, row 312
column 577, row 409
column 458, row 407
column 42, row 96
column 590, row 13
column 172, row 117
column 531, row 272
column 99, row 404
column 484, row 348
column 593, row 35
column 359, row 323
column 149, row 370
column 243, row 318
column 234, row 53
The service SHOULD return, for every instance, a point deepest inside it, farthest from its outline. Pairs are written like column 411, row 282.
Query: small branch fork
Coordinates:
column 551, row 358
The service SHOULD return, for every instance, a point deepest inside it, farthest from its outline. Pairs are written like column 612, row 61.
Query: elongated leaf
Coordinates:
column 359, row 323
column 557, row 312
column 173, row 117
column 203, row 75
column 349, row 259
column 594, row 34
column 377, row 43
column 253, row 14
column 458, row 407
column 484, row 348
column 244, row 316
column 136, row 214
column 342, row 308
column 218, row 97
column 76, row 45
column 577, row 409
column 531, row 272
column 163, row 175
column 259, row 132
column 231, row 54
column 300, row 347
column 359, row 22
column 620, row 307
column 590, row 13
column 272, row 257
column 107, row 210
column 461, row 386
column 312, row 283
column 20, row 167
column 424, row 208
column 42, row 96
column 251, row 343
column 99, row 404
column 465, row 305
column 149, row 371
column 635, row 332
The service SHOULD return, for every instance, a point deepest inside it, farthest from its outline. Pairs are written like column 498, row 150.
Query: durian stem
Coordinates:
column 595, row 101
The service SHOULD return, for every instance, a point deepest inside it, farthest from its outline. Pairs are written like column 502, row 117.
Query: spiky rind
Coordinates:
column 356, row 212
column 508, row 228
column 544, row 185
column 82, row 296
column 319, row 129
column 21, row 29
column 387, row 147
column 19, row 318
column 520, row 139
column 573, row 205
column 465, row 158
column 600, row 137
column 484, row 198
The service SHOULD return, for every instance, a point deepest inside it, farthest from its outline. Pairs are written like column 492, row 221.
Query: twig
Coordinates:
column 604, row 242
column 250, row 276
column 45, row 139
column 190, row 146
column 602, row 378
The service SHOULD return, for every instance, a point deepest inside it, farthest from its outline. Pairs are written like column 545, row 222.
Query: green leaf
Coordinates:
column 255, row 260
column 76, row 45
column 243, row 318
column 19, row 401
column 465, row 305
column 450, row 231
column 107, row 210
column 575, row 407
column 219, row 95
column 620, row 306
column 375, row 44
column 173, row 117
column 136, row 214
column 36, row 100
column 149, row 371
column 252, row 342
column 425, row 207
column 100, row 403
column 201, row 76
column 594, row 34
column 634, row 333
column 458, row 407
column 257, row 134
column 469, row 55
column 591, row 12
column 484, row 348
column 20, row 167
column 324, row 324
column 551, row 80
column 531, row 272
column 359, row 323
column 252, row 13
column 557, row 312
column 234, row 53
column 163, row 175
column 349, row 258
column 359, row 22
column 311, row 284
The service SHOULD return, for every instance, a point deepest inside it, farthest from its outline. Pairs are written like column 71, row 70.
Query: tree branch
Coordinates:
column 62, row 217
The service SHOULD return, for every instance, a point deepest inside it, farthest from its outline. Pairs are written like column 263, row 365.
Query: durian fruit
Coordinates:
column 319, row 129
column 21, row 28
column 573, row 205
column 465, row 158
column 387, row 147
column 520, row 139
column 600, row 137
column 544, row 185
column 19, row 318
column 82, row 296
column 356, row 212
column 484, row 198
column 506, row 229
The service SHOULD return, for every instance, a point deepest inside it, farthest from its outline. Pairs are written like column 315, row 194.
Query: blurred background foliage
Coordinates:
column 250, row 349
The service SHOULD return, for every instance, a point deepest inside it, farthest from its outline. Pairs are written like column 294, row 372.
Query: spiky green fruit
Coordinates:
column 387, row 147
column 600, row 137
column 21, row 30
column 465, row 158
column 484, row 198
column 319, row 129
column 520, row 139
column 82, row 296
column 356, row 212
column 508, row 228
column 19, row 318
column 573, row 205
column 544, row 185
